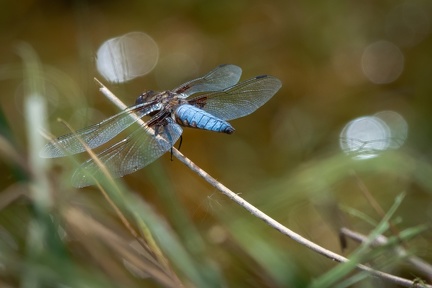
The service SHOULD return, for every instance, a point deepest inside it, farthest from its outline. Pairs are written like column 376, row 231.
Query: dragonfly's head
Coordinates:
column 145, row 97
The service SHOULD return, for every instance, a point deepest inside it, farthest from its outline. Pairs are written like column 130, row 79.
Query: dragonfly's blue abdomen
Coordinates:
column 191, row 116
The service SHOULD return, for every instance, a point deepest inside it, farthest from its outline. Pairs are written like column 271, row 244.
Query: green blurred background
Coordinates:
column 285, row 158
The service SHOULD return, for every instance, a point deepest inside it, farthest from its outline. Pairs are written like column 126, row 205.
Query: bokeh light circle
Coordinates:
column 124, row 58
column 382, row 62
column 365, row 137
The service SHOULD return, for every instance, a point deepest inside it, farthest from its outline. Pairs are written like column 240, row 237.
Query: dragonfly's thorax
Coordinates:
column 171, row 101
column 164, row 105
column 166, row 100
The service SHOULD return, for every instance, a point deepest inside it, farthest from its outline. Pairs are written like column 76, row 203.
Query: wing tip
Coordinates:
column 238, row 68
column 80, row 180
column 277, row 81
column 50, row 151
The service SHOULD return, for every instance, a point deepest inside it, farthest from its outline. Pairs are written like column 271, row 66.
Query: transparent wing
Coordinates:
column 97, row 134
column 239, row 100
column 219, row 78
column 139, row 149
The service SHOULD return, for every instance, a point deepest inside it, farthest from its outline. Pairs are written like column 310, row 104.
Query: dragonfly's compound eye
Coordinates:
column 145, row 97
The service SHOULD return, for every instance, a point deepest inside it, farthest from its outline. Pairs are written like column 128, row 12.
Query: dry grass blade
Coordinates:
column 95, row 232
column 148, row 244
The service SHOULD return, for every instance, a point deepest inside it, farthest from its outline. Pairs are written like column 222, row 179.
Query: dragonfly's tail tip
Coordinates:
column 229, row 130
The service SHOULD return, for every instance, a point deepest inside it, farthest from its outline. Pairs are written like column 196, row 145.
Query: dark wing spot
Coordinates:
column 199, row 102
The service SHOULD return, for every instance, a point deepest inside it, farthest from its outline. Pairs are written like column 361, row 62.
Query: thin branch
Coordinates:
column 261, row 215
column 420, row 264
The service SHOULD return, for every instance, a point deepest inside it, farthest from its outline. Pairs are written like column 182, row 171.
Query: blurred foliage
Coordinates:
column 284, row 158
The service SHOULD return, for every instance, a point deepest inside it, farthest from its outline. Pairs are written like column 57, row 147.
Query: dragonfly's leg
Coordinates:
column 156, row 130
column 169, row 138
column 171, row 153
column 181, row 140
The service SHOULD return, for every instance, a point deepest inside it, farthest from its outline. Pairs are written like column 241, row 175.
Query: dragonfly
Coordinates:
column 218, row 98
